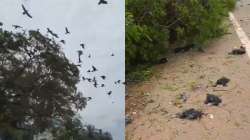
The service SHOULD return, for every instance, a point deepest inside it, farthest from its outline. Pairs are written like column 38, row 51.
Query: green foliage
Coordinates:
column 37, row 82
column 153, row 25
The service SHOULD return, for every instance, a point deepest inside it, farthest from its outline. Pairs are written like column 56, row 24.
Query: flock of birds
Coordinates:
column 93, row 69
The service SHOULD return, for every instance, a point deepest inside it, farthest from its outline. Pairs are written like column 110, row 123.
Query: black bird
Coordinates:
column 83, row 78
column 102, row 2
column 79, row 56
column 109, row 93
column 89, row 98
column 95, row 84
column 16, row 26
column 212, row 99
column 82, row 45
column 118, row 82
column 52, row 33
column 190, row 114
column 222, row 81
column 184, row 49
column 26, row 12
column 67, row 30
column 103, row 77
column 62, row 41
column 102, row 85
column 163, row 60
column 94, row 79
column 112, row 54
column 89, row 80
column 240, row 51
column 94, row 69
column 88, row 71
column 1, row 24
column 89, row 56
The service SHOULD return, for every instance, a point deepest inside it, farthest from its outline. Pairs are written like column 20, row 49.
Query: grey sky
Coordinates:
column 101, row 28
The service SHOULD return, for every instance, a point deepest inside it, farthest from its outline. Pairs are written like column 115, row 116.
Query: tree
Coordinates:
column 37, row 82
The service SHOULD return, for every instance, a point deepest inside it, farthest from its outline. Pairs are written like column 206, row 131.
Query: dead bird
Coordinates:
column 213, row 100
column 190, row 114
column 222, row 81
column 184, row 49
column 239, row 51
column 163, row 60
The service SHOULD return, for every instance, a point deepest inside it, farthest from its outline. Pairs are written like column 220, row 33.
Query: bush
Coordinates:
column 152, row 25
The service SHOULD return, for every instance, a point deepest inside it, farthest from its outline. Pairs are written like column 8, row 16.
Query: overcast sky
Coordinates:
column 101, row 29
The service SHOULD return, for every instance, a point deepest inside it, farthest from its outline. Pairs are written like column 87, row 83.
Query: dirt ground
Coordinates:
column 153, row 104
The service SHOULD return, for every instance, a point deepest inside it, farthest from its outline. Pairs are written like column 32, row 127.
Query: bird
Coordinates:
column 103, row 77
column 16, row 26
column 222, row 81
column 67, row 30
column 102, row 85
column 79, row 56
column 83, row 78
column 94, row 69
column 88, row 71
column 95, row 84
column 112, row 54
column 102, row 2
column 109, row 93
column 190, row 114
column 52, row 33
column 89, row 56
column 212, row 100
column 89, row 98
column 62, row 41
column 118, row 82
column 240, row 51
column 82, row 45
column 1, row 24
column 26, row 12
column 79, row 65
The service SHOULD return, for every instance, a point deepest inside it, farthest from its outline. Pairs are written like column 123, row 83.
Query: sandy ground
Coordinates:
column 153, row 104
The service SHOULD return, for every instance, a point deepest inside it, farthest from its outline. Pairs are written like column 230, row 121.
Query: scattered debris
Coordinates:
column 222, row 81
column 190, row 114
column 238, row 51
column 128, row 120
column 212, row 100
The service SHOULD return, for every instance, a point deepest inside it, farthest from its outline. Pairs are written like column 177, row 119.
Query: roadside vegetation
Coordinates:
column 156, row 27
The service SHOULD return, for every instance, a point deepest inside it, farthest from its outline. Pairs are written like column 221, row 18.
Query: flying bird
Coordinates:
column 26, row 12
column 118, row 82
column 16, row 26
column 67, row 30
column 94, row 69
column 102, row 85
column 79, row 56
column 112, row 54
column 89, row 56
column 63, row 41
column 102, row 2
column 103, row 77
column 82, row 45
column 52, row 33
column 109, row 93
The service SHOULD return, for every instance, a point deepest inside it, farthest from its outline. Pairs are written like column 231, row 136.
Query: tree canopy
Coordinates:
column 37, row 82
